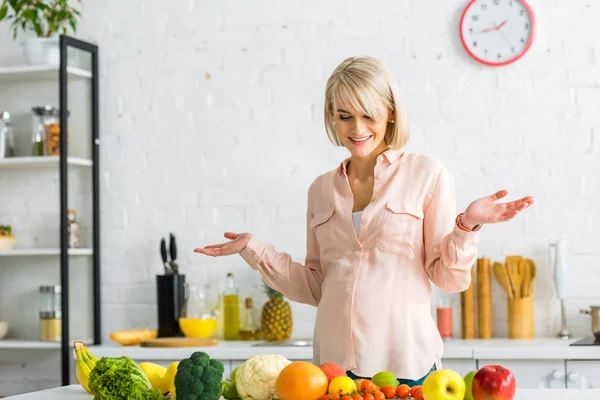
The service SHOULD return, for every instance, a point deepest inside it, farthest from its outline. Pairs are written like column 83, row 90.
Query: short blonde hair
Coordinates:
column 360, row 82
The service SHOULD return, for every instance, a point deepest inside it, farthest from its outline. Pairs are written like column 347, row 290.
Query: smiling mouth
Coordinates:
column 360, row 140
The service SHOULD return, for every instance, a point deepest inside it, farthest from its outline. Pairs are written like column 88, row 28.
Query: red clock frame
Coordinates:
column 509, row 61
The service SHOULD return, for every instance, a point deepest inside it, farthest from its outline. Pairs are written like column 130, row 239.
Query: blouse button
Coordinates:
column 378, row 177
column 252, row 253
column 380, row 158
column 455, row 233
column 364, row 221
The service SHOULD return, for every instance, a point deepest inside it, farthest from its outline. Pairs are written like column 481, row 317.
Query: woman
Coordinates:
column 380, row 228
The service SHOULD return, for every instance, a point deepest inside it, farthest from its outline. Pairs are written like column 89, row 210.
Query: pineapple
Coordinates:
column 276, row 319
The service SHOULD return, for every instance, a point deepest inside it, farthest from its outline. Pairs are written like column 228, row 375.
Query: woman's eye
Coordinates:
column 344, row 118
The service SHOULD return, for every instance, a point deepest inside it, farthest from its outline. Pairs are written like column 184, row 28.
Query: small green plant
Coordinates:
column 44, row 17
column 5, row 230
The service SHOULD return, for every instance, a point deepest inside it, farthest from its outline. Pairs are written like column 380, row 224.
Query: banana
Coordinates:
column 85, row 364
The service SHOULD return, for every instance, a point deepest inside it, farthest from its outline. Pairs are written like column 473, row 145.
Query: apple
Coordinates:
column 443, row 384
column 332, row 370
column 494, row 382
column 468, row 384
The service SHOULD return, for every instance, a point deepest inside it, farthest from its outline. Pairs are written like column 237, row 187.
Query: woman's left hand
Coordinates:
column 486, row 211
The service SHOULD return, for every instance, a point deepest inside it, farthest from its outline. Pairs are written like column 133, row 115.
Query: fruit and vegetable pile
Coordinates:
column 274, row 377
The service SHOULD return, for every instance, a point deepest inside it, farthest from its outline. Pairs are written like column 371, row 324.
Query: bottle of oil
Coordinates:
column 231, row 310
column 251, row 329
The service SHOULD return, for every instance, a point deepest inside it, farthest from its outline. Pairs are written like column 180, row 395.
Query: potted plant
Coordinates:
column 7, row 240
column 47, row 19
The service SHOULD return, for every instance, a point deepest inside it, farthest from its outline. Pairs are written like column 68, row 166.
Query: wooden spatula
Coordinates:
column 502, row 277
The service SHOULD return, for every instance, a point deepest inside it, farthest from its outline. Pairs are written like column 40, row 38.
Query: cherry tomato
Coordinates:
column 389, row 391
column 414, row 389
column 403, row 391
column 357, row 397
column 368, row 396
column 379, row 395
column 346, row 397
column 418, row 395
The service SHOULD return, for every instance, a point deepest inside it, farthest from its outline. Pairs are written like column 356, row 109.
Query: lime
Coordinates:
column 385, row 378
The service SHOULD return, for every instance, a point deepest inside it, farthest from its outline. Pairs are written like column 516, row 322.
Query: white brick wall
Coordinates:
column 200, row 155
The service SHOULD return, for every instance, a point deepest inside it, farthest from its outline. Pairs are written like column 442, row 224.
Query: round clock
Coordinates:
column 497, row 32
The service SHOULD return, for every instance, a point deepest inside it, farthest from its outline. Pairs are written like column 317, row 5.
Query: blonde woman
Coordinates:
column 380, row 229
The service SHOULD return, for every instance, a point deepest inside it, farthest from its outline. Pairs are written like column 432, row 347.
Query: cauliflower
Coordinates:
column 255, row 378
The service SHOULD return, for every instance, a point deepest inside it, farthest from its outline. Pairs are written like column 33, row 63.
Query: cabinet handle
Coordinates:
column 573, row 377
column 556, row 375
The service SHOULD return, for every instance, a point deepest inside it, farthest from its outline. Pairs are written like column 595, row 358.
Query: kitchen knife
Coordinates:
column 163, row 253
column 173, row 254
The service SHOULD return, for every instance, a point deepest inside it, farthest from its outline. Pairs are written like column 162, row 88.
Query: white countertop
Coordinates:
column 76, row 392
column 499, row 349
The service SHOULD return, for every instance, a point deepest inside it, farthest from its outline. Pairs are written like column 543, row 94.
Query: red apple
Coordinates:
column 332, row 370
column 493, row 382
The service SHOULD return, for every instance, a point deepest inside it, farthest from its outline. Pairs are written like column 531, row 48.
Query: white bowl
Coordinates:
column 3, row 329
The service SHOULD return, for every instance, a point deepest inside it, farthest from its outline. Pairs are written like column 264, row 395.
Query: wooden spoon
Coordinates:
column 514, row 274
column 525, row 272
column 502, row 277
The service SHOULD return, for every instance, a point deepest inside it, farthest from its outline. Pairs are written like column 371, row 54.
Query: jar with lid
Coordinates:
column 45, row 137
column 50, row 313
column 7, row 140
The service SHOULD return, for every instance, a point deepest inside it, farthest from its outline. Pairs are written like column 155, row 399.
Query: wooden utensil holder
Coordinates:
column 520, row 318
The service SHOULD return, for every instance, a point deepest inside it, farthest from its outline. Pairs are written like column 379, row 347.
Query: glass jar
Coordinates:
column 45, row 136
column 197, row 318
column 73, row 229
column 50, row 313
column 7, row 140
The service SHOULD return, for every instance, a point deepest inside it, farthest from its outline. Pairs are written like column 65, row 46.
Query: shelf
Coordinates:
column 42, row 162
column 45, row 252
column 34, row 344
column 16, row 73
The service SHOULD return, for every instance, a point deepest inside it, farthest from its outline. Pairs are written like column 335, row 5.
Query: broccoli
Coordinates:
column 199, row 378
column 121, row 378
column 229, row 391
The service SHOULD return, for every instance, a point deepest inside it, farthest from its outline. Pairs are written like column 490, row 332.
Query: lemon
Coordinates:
column 342, row 385
column 385, row 378
column 170, row 377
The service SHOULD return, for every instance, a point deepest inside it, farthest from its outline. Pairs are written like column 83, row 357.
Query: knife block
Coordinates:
column 520, row 318
column 170, row 297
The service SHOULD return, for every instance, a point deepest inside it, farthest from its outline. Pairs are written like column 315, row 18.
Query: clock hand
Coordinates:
column 502, row 24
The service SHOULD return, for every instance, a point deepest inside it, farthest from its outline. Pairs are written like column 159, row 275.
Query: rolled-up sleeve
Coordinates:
column 296, row 281
column 450, row 252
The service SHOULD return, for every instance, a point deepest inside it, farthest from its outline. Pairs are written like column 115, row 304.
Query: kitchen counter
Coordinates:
column 76, row 392
column 489, row 349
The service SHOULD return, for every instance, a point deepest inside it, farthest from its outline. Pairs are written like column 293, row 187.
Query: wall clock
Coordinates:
column 497, row 32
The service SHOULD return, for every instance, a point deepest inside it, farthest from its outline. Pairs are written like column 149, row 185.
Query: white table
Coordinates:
column 76, row 392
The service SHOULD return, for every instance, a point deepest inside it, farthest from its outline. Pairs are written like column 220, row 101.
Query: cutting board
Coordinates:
column 179, row 342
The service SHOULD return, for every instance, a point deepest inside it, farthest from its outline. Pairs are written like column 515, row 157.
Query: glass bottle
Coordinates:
column 197, row 319
column 73, row 229
column 251, row 329
column 231, row 310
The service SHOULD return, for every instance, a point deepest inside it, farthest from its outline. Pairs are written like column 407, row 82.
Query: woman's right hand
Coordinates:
column 237, row 244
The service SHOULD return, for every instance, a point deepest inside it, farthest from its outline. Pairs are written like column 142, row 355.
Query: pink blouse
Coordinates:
column 372, row 290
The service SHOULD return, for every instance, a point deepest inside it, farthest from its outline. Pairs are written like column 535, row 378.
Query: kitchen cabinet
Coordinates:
column 583, row 374
column 533, row 373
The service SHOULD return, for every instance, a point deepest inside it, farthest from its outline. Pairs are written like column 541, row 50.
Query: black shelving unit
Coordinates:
column 65, row 43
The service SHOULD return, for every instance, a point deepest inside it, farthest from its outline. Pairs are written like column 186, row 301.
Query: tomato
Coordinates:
column 389, row 391
column 403, row 391
column 379, row 396
column 368, row 396
column 418, row 395
column 367, row 386
column 357, row 397
column 414, row 389
column 346, row 397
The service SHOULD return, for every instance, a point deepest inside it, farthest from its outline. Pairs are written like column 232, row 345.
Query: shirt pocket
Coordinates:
column 325, row 230
column 401, row 228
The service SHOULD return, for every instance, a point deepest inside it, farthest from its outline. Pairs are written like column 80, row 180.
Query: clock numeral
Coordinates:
column 496, row 2
column 475, row 17
column 470, row 30
column 522, row 12
column 499, row 56
column 526, row 26
column 474, row 44
column 522, row 40
column 484, row 6
column 512, row 49
column 510, row 3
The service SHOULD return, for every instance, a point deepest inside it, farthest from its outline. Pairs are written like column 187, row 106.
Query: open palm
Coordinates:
column 236, row 245
column 486, row 211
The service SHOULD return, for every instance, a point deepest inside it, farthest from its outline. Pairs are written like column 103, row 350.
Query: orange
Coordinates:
column 301, row 380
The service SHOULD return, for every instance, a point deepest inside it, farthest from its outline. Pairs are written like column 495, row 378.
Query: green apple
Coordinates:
column 468, row 383
column 444, row 384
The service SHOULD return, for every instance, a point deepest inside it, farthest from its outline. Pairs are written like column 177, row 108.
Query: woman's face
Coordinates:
column 361, row 135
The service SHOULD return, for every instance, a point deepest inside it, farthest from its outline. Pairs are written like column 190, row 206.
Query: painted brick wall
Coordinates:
column 211, row 120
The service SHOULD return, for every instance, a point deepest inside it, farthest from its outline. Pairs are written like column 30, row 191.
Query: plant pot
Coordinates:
column 41, row 51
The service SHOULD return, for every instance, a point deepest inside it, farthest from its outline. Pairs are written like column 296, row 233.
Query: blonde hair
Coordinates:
column 360, row 82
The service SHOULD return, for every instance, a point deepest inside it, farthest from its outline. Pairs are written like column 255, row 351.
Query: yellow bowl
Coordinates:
column 198, row 327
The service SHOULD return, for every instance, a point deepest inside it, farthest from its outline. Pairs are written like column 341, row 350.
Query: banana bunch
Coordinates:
column 85, row 364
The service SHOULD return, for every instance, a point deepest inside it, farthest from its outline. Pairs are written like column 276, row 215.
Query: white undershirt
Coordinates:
column 356, row 219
